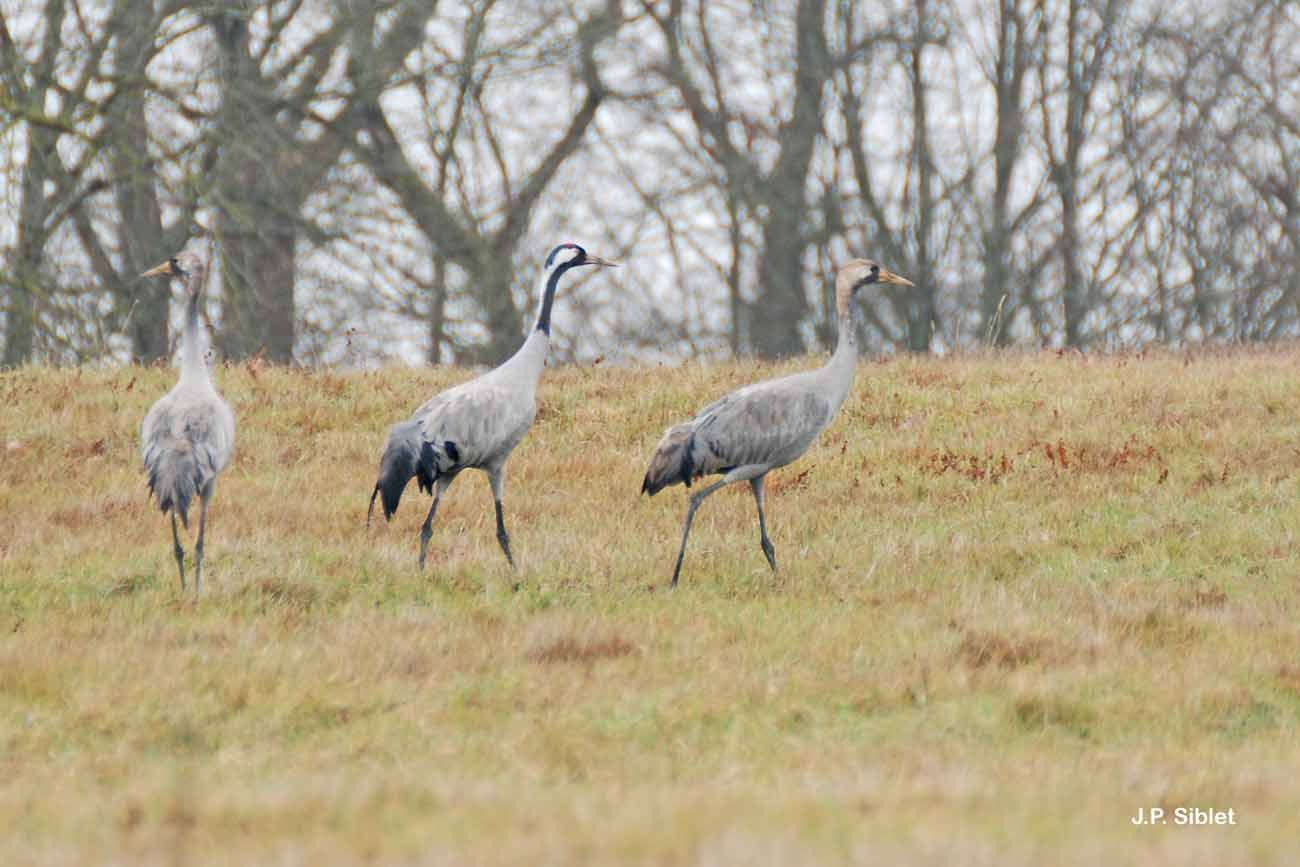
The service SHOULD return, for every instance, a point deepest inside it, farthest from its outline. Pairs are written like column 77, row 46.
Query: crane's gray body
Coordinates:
column 755, row 429
column 474, row 425
column 477, row 424
column 186, row 440
column 188, row 436
column 485, row 418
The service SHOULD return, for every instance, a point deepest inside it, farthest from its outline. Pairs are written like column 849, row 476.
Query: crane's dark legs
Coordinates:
column 768, row 551
column 696, row 499
column 502, row 536
column 198, row 545
column 497, row 478
column 426, row 529
column 178, row 550
column 371, row 511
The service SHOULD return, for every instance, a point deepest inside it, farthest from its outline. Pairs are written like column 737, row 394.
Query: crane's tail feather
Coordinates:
column 673, row 461
column 175, row 477
column 406, row 455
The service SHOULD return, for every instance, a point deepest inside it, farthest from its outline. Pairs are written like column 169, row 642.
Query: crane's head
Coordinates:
column 184, row 265
column 572, row 256
column 857, row 274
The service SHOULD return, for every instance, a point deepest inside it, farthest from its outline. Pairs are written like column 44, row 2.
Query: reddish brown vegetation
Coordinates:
column 86, row 515
column 984, row 649
column 776, row 483
column 976, row 468
column 1206, row 597
column 276, row 591
column 1289, row 677
column 995, row 466
column 1157, row 626
column 569, row 649
column 1132, row 454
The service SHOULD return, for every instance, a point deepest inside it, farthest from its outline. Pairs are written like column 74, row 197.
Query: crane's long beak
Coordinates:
column 887, row 276
column 159, row 270
column 596, row 260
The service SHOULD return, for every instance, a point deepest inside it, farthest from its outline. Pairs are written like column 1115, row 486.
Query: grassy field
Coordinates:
column 1021, row 597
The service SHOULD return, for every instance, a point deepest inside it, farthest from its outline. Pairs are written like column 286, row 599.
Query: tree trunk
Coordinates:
column 493, row 281
column 1073, row 306
column 257, row 205
column 782, row 306
column 257, row 279
column 24, row 277
column 1074, row 303
column 921, row 312
column 1012, row 63
column 141, row 239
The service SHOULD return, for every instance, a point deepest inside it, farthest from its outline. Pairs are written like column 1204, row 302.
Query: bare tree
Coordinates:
column 480, row 233
column 1069, row 88
column 98, row 193
column 277, row 82
column 378, row 176
column 895, row 182
column 25, row 96
column 1004, row 208
column 765, row 168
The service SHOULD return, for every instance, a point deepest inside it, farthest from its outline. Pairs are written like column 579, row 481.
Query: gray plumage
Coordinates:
column 189, row 435
column 474, row 425
column 746, row 434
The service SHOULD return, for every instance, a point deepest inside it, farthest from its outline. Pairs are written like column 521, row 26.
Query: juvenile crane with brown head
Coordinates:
column 752, row 431
column 189, row 435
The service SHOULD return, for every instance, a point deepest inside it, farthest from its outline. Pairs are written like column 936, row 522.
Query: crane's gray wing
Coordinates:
column 474, row 424
column 476, row 427
column 185, row 442
column 769, row 424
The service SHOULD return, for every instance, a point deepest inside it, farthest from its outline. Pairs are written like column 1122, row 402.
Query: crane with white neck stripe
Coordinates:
column 189, row 435
column 477, row 424
column 752, row 431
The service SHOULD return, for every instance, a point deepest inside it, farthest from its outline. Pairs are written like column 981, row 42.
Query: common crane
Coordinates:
column 189, row 434
column 754, row 430
column 477, row 424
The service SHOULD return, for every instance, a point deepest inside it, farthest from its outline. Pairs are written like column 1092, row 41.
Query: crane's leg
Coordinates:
column 371, row 511
column 696, row 499
column 757, row 486
column 178, row 550
column 426, row 529
column 498, row 480
column 198, row 545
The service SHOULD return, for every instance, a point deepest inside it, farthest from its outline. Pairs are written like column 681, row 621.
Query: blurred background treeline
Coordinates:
column 381, row 180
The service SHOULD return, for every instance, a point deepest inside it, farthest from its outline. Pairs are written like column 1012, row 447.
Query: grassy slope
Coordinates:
column 1021, row 597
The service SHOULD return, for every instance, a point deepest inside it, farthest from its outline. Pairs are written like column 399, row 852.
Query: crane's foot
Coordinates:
column 179, row 553
column 503, row 538
column 504, row 541
column 770, row 552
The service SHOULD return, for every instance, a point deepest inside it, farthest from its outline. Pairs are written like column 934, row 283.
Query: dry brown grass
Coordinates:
column 1021, row 596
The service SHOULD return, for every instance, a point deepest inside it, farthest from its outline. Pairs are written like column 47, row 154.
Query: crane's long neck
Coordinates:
column 531, row 357
column 549, row 285
column 194, row 342
column 839, row 370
